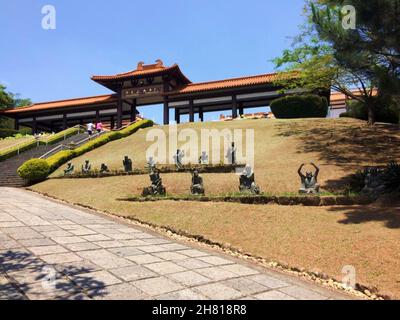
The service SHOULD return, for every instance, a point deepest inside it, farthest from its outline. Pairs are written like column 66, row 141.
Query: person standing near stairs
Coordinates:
column 90, row 127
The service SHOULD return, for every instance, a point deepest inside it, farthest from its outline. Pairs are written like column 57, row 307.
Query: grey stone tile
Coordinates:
column 37, row 242
column 96, row 237
column 165, row 267
column 76, row 267
column 157, row 241
column 61, row 258
column 124, row 291
column 126, row 251
column 218, row 291
column 133, row 243
column 193, row 263
column 185, row 294
column 302, row 293
column 152, row 248
column 9, row 224
column 67, row 240
column 239, row 270
column 43, row 250
column 157, row 286
column 109, row 244
column 214, row 260
column 174, row 246
column 189, row 278
column 81, row 246
column 273, row 295
column 105, row 259
column 132, row 273
column 57, row 233
column 144, row 259
column 216, row 273
column 193, row 253
column 170, row 255
column 269, row 281
column 46, row 228
column 96, row 279
column 246, row 286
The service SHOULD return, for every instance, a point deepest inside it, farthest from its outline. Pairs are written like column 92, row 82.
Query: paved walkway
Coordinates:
column 49, row 250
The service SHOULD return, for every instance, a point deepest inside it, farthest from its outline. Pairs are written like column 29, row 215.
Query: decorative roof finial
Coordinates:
column 159, row 63
column 140, row 65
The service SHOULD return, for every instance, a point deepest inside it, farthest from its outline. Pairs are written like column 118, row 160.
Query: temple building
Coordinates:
column 148, row 85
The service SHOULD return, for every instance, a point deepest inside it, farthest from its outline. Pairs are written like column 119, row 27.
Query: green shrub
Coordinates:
column 4, row 133
column 11, row 152
column 300, row 106
column 385, row 110
column 59, row 159
column 60, row 136
column 34, row 170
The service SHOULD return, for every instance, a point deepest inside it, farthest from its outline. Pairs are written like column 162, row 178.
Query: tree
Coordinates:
column 10, row 100
column 327, row 55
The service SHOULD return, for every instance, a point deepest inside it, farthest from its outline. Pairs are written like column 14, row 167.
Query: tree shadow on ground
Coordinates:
column 343, row 144
column 390, row 217
column 29, row 276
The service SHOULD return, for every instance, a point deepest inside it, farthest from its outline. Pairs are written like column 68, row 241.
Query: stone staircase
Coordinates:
column 8, row 168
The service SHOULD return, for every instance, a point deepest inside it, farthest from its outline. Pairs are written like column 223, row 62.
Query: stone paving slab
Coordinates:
column 50, row 250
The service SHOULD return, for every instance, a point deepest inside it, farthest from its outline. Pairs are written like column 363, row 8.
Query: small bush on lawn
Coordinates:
column 34, row 170
column 300, row 106
column 4, row 133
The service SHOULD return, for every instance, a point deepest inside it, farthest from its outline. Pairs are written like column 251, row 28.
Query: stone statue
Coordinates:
column 178, row 158
column 231, row 154
column 104, row 168
column 374, row 183
column 247, row 181
column 197, row 187
column 203, row 159
column 151, row 164
column 87, row 167
column 309, row 181
column 69, row 170
column 156, row 188
column 127, row 164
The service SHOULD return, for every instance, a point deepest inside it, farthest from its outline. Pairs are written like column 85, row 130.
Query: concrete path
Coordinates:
column 49, row 250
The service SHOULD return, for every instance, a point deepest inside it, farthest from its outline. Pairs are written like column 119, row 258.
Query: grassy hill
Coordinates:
column 314, row 238
column 338, row 146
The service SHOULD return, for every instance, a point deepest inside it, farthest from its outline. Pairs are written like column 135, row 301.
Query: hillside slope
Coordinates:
column 338, row 146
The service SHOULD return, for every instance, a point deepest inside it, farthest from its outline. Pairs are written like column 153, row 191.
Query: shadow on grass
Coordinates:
column 346, row 145
column 31, row 277
column 390, row 217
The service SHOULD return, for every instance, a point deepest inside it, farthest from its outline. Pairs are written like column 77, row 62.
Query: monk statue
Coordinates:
column 127, row 164
column 231, row 154
column 87, row 167
column 156, row 188
column 203, row 159
column 309, row 181
column 151, row 164
column 69, row 170
column 247, row 181
column 178, row 158
column 197, row 187
column 104, row 168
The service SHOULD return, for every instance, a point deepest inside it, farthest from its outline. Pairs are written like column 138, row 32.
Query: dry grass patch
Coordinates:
column 325, row 239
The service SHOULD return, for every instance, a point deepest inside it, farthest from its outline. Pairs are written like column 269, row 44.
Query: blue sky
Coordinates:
column 209, row 39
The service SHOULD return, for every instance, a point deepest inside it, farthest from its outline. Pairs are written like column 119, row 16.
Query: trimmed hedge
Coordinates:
column 34, row 170
column 300, row 106
column 11, row 152
column 5, row 133
column 62, row 157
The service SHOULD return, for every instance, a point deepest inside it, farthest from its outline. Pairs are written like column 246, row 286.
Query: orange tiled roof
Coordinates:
column 64, row 103
column 227, row 83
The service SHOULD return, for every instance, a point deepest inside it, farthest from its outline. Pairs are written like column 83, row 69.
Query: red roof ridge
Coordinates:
column 234, row 79
column 72, row 99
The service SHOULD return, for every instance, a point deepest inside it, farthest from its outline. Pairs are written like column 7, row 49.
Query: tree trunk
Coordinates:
column 371, row 113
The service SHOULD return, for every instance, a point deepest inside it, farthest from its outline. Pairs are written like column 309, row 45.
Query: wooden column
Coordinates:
column 133, row 110
column 177, row 116
column 119, row 110
column 241, row 109
column 97, row 116
column 191, row 111
column 16, row 124
column 166, row 111
column 34, row 125
column 234, row 107
column 201, row 114
column 65, row 122
column 112, row 122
